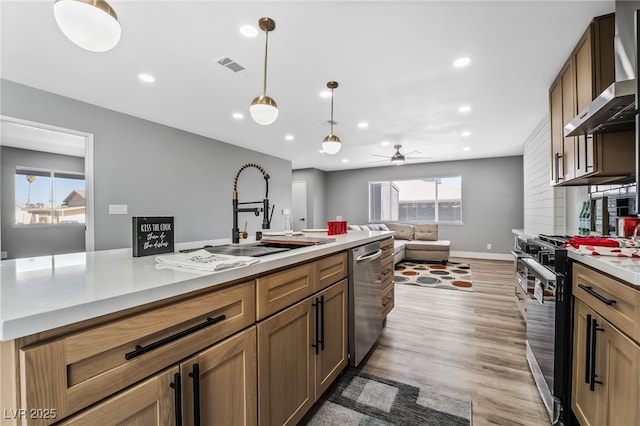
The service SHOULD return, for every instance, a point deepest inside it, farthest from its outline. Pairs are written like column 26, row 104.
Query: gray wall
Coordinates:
column 156, row 170
column 492, row 198
column 316, row 195
column 35, row 241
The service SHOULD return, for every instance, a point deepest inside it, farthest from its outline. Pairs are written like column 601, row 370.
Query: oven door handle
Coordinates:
column 539, row 270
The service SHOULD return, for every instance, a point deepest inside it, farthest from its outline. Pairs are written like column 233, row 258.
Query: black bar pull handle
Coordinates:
column 600, row 297
column 594, row 331
column 195, row 375
column 176, row 385
column 322, row 322
column 140, row 350
column 316, row 337
column 587, row 353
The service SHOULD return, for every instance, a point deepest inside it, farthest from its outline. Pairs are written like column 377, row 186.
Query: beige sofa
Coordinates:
column 414, row 242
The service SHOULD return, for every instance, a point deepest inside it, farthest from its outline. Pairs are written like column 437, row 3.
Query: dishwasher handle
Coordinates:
column 367, row 257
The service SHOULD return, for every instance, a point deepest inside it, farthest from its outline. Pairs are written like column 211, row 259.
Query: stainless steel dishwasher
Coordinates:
column 365, row 308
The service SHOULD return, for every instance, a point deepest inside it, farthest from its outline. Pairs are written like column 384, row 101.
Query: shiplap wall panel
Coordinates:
column 543, row 204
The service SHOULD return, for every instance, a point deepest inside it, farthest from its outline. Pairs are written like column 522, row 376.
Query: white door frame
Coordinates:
column 89, row 235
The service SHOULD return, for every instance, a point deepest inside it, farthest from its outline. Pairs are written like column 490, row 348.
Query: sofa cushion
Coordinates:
column 364, row 228
column 441, row 245
column 403, row 231
column 426, row 232
column 373, row 227
column 354, row 227
column 383, row 227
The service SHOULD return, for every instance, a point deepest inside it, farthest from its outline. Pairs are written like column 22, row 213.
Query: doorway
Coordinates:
column 299, row 205
column 53, row 168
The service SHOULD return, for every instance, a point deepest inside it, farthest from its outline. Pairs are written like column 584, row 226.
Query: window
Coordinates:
column 437, row 200
column 49, row 197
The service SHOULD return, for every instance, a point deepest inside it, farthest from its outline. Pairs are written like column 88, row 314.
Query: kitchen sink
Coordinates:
column 251, row 250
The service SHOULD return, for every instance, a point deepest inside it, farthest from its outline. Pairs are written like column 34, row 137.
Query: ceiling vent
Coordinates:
column 229, row 63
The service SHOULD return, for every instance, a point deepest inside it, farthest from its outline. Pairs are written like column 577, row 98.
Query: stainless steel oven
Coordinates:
column 541, row 266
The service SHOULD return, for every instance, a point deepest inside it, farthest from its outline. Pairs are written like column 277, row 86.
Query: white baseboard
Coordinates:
column 481, row 255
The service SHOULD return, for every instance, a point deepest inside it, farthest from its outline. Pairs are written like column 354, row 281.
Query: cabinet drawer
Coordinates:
column 614, row 300
column 281, row 289
column 75, row 371
column 330, row 270
column 386, row 270
column 387, row 299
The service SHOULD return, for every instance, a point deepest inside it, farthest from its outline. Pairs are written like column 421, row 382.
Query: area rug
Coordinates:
column 453, row 276
column 363, row 399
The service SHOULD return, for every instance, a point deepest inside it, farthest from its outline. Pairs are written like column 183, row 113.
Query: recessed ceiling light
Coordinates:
column 465, row 134
column 385, row 143
column 248, row 31
column 466, row 148
column 321, row 151
column 147, row 78
column 462, row 62
column 325, row 94
column 464, row 108
column 363, row 124
column 238, row 115
column 288, row 137
column 344, row 160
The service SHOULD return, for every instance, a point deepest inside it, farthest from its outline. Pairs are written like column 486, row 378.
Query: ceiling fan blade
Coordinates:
column 383, row 156
column 379, row 161
column 419, row 158
column 412, row 152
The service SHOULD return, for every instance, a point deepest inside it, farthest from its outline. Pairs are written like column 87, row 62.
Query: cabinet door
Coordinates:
column 219, row 384
column 149, row 403
column 568, row 113
column 620, row 377
column 285, row 365
column 557, row 133
column 585, row 403
column 585, row 160
column 332, row 354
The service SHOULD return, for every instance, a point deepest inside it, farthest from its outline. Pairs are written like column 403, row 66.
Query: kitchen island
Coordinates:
column 98, row 334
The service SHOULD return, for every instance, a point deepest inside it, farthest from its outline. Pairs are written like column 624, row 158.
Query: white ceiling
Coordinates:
column 392, row 59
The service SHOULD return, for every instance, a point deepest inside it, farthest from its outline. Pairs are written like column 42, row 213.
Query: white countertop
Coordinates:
column 42, row 293
column 523, row 233
column 624, row 268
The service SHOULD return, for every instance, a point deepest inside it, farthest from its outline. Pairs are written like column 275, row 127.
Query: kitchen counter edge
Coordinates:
column 51, row 312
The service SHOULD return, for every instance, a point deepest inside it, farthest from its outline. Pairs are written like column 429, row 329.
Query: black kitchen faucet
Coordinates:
column 236, row 234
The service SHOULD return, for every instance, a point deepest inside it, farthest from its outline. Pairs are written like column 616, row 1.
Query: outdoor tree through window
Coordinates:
column 435, row 200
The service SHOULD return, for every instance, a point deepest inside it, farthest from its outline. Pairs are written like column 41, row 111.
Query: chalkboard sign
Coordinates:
column 152, row 235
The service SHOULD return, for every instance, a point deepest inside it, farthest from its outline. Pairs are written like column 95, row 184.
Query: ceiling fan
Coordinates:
column 398, row 158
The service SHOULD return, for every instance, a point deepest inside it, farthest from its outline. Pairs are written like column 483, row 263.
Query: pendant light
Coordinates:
column 331, row 144
column 263, row 109
column 90, row 24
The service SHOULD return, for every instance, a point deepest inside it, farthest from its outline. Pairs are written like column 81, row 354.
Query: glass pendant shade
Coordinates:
column 331, row 144
column 92, row 25
column 264, row 110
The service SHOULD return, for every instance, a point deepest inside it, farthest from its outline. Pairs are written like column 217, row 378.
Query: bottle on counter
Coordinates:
column 587, row 219
column 581, row 221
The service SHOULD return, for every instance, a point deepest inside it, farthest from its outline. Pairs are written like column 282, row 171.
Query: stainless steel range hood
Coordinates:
column 615, row 108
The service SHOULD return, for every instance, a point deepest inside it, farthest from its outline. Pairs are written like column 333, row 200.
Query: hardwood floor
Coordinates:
column 468, row 345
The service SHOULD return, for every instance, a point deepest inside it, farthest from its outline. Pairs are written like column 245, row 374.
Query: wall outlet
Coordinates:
column 117, row 209
column 4, row 255
column 285, row 211
column 488, row 246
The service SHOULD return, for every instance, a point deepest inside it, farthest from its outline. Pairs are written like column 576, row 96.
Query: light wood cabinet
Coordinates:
column 606, row 356
column 301, row 350
column 587, row 159
column 152, row 402
column 78, row 369
column 386, row 278
column 215, row 387
column 219, row 384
